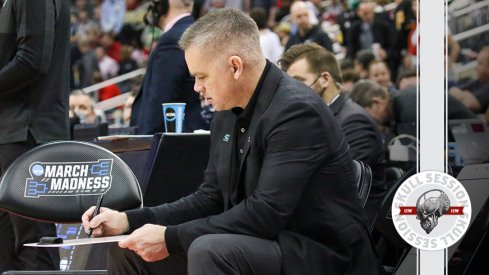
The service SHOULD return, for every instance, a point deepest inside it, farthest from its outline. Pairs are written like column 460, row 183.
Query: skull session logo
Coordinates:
column 69, row 178
column 431, row 210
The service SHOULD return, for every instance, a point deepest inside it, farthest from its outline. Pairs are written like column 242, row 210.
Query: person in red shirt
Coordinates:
column 112, row 47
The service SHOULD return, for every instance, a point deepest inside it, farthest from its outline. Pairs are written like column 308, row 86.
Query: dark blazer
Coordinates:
column 298, row 183
column 363, row 136
column 34, row 70
column 167, row 79
column 382, row 33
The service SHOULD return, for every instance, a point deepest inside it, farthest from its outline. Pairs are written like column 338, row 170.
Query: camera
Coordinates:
column 156, row 9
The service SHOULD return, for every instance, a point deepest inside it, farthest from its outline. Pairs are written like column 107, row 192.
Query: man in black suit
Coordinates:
column 167, row 79
column 278, row 195
column 34, row 88
column 318, row 68
column 371, row 33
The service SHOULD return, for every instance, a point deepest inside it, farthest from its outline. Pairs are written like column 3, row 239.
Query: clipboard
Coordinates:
column 82, row 241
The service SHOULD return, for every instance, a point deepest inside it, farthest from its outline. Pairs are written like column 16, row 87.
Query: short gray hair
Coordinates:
column 225, row 31
column 364, row 91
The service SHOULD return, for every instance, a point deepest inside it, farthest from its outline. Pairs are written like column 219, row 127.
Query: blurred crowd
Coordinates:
column 110, row 38
column 372, row 41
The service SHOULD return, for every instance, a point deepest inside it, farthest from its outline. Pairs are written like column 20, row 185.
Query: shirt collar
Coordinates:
column 334, row 99
column 174, row 20
column 248, row 110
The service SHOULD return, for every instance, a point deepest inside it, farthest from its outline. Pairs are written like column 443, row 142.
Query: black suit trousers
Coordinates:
column 216, row 254
column 15, row 230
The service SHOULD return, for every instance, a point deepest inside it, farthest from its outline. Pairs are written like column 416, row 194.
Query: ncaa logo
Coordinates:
column 37, row 170
column 431, row 210
column 170, row 114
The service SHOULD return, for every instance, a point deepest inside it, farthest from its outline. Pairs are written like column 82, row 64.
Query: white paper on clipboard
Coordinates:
column 83, row 241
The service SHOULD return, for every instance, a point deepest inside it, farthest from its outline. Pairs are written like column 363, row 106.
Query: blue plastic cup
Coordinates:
column 173, row 115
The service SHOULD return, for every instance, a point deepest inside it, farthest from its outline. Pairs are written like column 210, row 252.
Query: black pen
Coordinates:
column 96, row 211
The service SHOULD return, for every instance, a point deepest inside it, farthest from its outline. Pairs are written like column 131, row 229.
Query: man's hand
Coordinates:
column 148, row 242
column 456, row 92
column 467, row 98
column 107, row 223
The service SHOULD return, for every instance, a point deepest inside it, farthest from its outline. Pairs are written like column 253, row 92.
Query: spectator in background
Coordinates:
column 112, row 15
column 87, row 64
column 380, row 73
column 283, row 31
column 107, row 66
column 112, row 48
column 405, row 47
column 269, row 41
column 306, row 32
column 407, row 79
column 475, row 94
column 350, row 77
column 362, row 62
column 85, row 24
column 404, row 22
column 318, row 68
column 375, row 99
column 271, row 9
column 346, row 19
column 167, row 78
column 370, row 33
column 126, row 65
column 34, row 88
column 108, row 91
column 404, row 107
column 83, row 107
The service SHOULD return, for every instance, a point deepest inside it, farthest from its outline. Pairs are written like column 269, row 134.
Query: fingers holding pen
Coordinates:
column 107, row 223
column 86, row 217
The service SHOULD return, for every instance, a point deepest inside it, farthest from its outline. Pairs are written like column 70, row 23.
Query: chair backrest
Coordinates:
column 383, row 221
column 58, row 181
column 363, row 177
column 393, row 174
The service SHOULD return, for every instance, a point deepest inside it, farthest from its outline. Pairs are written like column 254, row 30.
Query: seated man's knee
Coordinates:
column 206, row 245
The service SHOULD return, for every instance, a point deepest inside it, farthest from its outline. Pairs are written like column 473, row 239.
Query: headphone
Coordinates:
column 156, row 9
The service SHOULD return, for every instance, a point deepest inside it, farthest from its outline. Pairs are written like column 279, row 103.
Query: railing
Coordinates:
column 469, row 21
column 115, row 80
column 115, row 101
column 472, row 32
column 470, row 8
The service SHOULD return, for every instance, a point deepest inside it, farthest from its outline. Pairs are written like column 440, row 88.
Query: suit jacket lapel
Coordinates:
column 265, row 96
column 338, row 103
column 225, row 144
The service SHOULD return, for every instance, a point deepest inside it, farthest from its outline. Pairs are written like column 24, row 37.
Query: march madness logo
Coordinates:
column 431, row 210
column 69, row 178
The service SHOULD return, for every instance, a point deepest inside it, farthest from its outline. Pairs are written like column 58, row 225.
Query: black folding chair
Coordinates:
column 58, row 181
